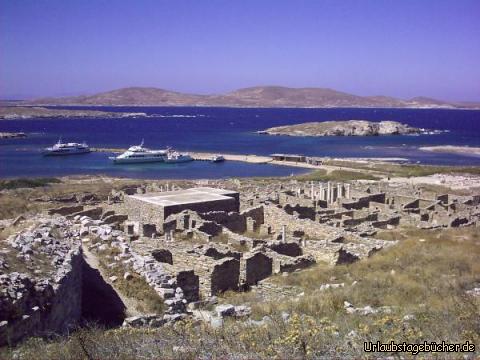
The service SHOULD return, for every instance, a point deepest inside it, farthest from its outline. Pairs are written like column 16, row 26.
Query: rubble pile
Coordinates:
column 46, row 297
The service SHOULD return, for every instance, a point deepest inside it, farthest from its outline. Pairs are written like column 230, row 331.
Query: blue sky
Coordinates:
column 398, row 48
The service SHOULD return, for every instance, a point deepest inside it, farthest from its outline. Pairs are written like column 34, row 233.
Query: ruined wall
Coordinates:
column 227, row 205
column 225, row 275
column 93, row 213
column 256, row 213
column 65, row 210
column 142, row 211
column 276, row 217
column 303, row 211
column 287, row 248
column 46, row 308
column 256, row 267
column 232, row 221
column 189, row 283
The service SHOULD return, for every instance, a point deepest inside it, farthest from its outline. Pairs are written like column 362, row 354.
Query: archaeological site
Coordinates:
column 184, row 245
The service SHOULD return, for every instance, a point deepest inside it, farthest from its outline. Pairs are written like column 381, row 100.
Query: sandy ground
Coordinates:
column 459, row 182
column 463, row 150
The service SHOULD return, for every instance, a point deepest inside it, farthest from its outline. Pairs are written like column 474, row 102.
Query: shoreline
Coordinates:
column 452, row 149
column 262, row 159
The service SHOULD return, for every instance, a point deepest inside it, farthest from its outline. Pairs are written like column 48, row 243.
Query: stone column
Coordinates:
column 321, row 192
column 347, row 191
column 332, row 190
column 186, row 222
column 329, row 192
column 339, row 190
column 284, row 233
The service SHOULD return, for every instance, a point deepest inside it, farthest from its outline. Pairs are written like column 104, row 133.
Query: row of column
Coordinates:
column 331, row 193
column 167, row 188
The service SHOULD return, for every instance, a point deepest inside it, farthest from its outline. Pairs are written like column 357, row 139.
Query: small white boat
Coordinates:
column 217, row 158
column 61, row 148
column 175, row 157
column 140, row 154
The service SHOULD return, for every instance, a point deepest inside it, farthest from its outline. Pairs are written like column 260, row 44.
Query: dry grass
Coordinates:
column 19, row 197
column 336, row 175
column 26, row 183
column 406, row 170
column 148, row 301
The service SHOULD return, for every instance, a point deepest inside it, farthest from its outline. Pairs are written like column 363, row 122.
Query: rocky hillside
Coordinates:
column 261, row 96
column 343, row 128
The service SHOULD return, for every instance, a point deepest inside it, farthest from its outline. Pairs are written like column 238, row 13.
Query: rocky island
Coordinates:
column 26, row 112
column 12, row 135
column 343, row 128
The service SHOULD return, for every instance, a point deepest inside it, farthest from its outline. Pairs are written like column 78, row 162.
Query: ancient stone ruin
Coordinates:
column 190, row 245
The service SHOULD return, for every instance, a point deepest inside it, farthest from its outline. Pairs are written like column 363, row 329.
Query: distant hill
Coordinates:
column 260, row 96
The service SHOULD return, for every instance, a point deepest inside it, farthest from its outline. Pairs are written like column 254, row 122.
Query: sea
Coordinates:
column 226, row 130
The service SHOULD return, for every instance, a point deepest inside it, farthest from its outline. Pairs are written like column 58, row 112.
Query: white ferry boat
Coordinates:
column 175, row 157
column 140, row 154
column 61, row 148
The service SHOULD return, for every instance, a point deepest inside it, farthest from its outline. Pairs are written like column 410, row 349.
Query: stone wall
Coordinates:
column 255, row 267
column 234, row 221
column 276, row 218
column 46, row 308
column 286, row 248
column 65, row 210
column 225, row 275
column 142, row 211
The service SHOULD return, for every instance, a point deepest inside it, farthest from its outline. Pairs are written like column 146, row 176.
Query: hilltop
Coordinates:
column 260, row 96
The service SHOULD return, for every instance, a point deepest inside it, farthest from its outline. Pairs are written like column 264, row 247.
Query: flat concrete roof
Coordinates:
column 188, row 196
column 289, row 155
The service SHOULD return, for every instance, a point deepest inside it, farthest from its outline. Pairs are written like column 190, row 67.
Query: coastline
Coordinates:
column 452, row 149
column 263, row 159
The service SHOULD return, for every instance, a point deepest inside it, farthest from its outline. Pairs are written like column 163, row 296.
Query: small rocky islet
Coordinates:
column 344, row 128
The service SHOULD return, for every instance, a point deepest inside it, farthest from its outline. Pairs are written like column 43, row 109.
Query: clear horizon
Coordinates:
column 402, row 49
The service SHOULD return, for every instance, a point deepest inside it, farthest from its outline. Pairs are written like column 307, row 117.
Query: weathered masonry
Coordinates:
column 154, row 208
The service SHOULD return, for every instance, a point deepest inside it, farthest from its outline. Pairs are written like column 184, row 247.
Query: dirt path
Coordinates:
column 131, row 305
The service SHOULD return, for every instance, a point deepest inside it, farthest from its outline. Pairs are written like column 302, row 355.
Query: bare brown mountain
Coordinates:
column 260, row 96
